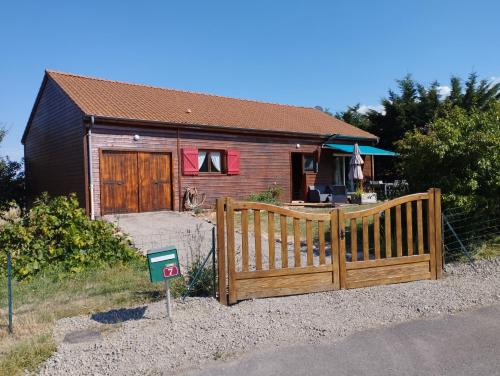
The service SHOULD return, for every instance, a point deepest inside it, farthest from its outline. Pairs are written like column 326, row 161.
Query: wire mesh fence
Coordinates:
column 466, row 233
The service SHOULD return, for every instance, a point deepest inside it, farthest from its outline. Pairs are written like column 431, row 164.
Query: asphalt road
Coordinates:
column 462, row 344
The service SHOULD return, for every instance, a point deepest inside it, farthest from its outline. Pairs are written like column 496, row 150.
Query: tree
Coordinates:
column 413, row 106
column 354, row 117
column 11, row 179
column 458, row 152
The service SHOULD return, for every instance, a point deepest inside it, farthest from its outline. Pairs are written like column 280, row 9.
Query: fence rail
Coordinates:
column 265, row 250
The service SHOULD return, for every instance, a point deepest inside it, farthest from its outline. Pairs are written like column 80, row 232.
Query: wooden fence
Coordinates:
column 265, row 250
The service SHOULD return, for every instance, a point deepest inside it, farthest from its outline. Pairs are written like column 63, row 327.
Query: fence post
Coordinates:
column 334, row 244
column 438, row 225
column 431, row 232
column 214, row 288
column 231, row 267
column 9, row 290
column 341, row 245
column 221, row 250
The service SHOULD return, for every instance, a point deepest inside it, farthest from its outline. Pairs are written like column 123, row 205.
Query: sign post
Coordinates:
column 163, row 266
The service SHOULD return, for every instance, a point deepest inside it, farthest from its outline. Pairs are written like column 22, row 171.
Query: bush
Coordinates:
column 271, row 196
column 57, row 232
column 202, row 287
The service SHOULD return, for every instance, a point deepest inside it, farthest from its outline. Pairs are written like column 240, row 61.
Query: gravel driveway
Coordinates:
column 141, row 341
column 191, row 235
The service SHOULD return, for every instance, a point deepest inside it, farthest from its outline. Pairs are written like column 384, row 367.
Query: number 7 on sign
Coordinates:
column 170, row 271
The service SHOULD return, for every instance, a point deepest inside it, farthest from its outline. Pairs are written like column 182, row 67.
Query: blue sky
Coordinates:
column 328, row 53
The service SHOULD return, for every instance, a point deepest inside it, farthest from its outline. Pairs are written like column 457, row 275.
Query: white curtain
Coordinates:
column 215, row 157
column 201, row 158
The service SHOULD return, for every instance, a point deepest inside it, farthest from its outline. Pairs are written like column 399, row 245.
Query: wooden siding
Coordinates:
column 265, row 161
column 53, row 148
column 367, row 167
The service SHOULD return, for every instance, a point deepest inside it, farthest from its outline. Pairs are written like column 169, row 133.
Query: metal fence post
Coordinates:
column 9, row 290
column 214, row 277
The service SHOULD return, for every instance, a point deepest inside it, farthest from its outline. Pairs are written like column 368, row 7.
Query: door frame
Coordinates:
column 137, row 151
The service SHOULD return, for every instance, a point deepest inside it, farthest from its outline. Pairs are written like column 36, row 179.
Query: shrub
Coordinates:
column 202, row 287
column 271, row 196
column 57, row 232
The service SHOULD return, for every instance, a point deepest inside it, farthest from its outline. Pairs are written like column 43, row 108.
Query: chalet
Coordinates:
column 132, row 148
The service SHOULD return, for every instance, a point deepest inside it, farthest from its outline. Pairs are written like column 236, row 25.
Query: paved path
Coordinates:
column 464, row 344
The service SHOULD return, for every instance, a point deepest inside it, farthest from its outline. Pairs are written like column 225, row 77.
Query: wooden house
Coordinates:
column 132, row 148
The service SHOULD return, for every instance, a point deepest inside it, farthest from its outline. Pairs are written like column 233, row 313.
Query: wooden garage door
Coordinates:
column 155, row 187
column 135, row 181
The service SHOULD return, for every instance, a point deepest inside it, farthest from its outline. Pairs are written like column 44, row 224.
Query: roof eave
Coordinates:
column 154, row 123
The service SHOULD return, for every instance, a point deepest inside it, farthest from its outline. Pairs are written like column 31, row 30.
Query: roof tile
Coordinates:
column 114, row 99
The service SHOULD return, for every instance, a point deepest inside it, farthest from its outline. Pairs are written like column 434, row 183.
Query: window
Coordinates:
column 211, row 161
column 309, row 163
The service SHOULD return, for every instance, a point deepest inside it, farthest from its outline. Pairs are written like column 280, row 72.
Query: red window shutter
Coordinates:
column 189, row 161
column 233, row 162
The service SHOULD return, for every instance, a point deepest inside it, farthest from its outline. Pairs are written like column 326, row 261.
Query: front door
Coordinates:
column 134, row 182
column 297, row 177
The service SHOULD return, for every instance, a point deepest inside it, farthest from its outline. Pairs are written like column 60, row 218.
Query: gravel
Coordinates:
column 204, row 331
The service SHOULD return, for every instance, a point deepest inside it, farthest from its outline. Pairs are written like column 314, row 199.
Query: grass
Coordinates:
column 489, row 249
column 39, row 303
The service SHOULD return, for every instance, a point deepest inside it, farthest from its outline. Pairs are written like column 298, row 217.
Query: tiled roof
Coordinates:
column 114, row 99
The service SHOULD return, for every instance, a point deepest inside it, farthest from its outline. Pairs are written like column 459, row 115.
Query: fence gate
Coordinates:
column 396, row 241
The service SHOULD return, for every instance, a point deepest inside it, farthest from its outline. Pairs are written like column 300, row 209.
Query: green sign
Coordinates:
column 163, row 264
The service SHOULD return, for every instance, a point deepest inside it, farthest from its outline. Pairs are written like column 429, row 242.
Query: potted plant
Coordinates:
column 361, row 197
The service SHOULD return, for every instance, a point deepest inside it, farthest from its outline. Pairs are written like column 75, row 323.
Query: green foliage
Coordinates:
column 204, row 283
column 460, row 153
column 271, row 196
column 58, row 232
column 354, row 117
column 413, row 106
column 11, row 179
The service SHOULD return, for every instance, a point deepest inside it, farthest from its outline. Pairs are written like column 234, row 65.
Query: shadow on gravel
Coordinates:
column 116, row 316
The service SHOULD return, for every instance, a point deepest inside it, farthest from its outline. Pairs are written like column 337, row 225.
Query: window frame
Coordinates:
column 223, row 162
column 311, row 155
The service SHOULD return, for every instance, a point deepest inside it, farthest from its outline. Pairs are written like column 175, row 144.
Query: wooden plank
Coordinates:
column 387, row 271
column 334, row 244
column 296, row 242
column 283, row 272
column 284, row 285
column 354, row 239
column 284, row 242
column 282, row 211
column 376, row 235
column 431, row 232
column 386, row 205
column 244, row 239
column 409, row 229
column 420, row 229
column 231, row 257
column 270, row 239
column 258, row 239
column 366, row 250
column 309, row 242
column 221, row 251
column 399, row 234
column 321, row 241
column 390, row 280
column 439, row 240
column 342, row 255
column 387, row 228
column 387, row 262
